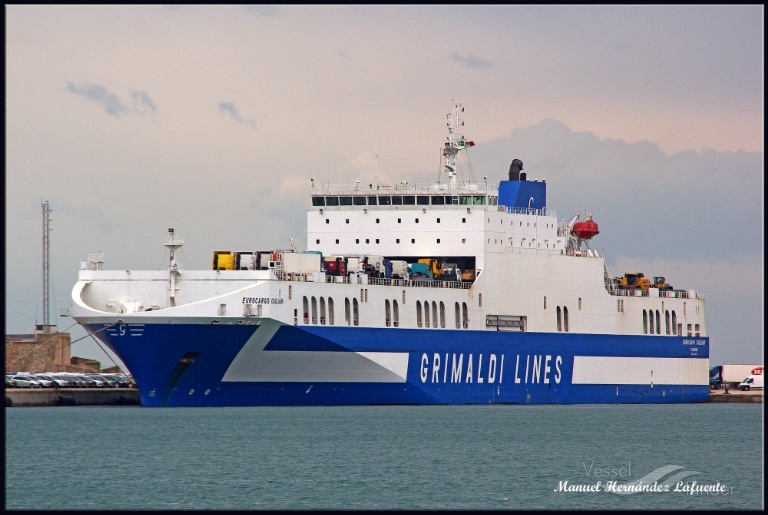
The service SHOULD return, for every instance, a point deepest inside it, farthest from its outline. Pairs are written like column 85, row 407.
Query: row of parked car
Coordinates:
column 67, row 380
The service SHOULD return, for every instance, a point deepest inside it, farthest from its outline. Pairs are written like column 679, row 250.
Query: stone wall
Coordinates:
column 39, row 352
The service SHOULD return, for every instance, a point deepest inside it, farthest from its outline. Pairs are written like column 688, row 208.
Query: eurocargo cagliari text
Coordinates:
column 457, row 292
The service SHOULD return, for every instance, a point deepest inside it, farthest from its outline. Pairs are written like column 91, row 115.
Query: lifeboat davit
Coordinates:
column 585, row 229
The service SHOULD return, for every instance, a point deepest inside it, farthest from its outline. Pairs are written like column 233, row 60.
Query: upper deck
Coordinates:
column 402, row 195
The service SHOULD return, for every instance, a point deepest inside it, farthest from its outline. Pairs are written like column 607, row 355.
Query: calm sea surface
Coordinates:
column 419, row 458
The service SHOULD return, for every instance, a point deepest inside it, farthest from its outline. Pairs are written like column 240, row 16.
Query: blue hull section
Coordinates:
column 186, row 365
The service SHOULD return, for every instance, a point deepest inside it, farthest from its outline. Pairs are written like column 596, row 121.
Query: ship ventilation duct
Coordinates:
column 514, row 170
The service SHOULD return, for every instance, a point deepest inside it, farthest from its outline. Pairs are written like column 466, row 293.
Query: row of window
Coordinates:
column 463, row 220
column 670, row 323
column 376, row 240
column 433, row 315
column 404, row 200
column 399, row 220
column 461, row 314
column 320, row 311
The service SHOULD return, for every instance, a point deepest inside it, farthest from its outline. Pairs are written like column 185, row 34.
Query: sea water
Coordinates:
column 690, row 456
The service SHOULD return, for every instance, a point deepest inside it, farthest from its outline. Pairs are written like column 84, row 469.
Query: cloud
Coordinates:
column 99, row 94
column 470, row 61
column 142, row 102
column 229, row 107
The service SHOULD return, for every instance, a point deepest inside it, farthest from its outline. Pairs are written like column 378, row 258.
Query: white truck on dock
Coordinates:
column 730, row 375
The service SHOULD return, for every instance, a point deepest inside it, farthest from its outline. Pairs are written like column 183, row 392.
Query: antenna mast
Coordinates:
column 46, row 266
column 454, row 143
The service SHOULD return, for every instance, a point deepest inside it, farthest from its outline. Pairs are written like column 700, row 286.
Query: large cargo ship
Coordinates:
column 458, row 292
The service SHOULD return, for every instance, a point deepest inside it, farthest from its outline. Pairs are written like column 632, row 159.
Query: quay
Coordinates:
column 735, row 396
column 29, row 397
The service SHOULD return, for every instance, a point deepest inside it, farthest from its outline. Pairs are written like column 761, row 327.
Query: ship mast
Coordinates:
column 454, row 143
column 172, row 244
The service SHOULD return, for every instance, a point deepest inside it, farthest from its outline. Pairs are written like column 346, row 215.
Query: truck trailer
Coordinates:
column 730, row 375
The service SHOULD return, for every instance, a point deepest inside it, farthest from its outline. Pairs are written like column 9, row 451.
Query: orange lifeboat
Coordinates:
column 586, row 229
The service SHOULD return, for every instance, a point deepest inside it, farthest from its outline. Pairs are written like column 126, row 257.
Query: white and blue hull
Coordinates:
column 282, row 365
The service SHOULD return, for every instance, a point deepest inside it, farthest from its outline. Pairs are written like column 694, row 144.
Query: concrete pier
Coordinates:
column 28, row 397
column 735, row 396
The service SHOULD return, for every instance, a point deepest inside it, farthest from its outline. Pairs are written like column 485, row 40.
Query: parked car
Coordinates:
column 122, row 380
column 24, row 381
column 62, row 381
column 43, row 380
column 94, row 382
column 108, row 381
column 75, row 380
column 58, row 382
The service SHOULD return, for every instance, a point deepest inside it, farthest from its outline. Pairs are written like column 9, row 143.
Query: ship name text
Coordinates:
column 478, row 368
column 262, row 300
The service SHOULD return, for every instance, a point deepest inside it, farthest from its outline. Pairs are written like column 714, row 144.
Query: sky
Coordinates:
column 130, row 120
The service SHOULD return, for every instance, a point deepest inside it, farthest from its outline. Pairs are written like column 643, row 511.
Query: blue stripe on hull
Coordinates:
column 183, row 365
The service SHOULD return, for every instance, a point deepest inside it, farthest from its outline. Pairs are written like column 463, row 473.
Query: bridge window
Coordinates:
column 331, row 201
column 397, row 200
column 422, row 200
column 345, row 201
column 358, row 201
column 409, row 200
column 318, row 201
column 438, row 200
column 385, row 200
column 372, row 201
